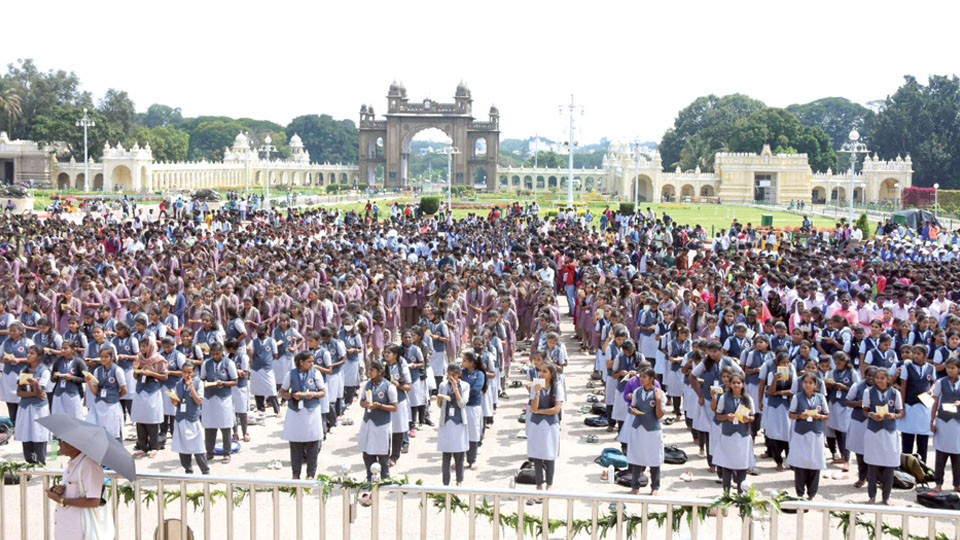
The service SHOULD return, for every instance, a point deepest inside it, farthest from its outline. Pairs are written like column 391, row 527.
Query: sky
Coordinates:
column 629, row 66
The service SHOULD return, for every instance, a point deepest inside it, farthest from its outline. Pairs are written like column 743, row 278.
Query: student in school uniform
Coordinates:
column 625, row 365
column 755, row 360
column 108, row 384
column 808, row 410
column 883, row 406
column 349, row 335
column 287, row 339
column 128, row 351
column 188, row 440
column 645, row 440
column 858, row 422
column 691, row 408
column 175, row 361
column 33, row 406
column 474, row 374
column 916, row 381
column 219, row 376
column 613, row 345
column 240, row 393
column 379, row 399
column 452, row 439
column 734, row 451
column 543, row 435
column 839, row 381
column 883, row 356
column 398, row 374
column 417, row 395
column 677, row 349
column 150, row 369
column 334, row 378
column 707, row 381
column 776, row 420
column 945, row 424
column 263, row 350
column 14, row 361
column 951, row 348
column 303, row 387
column 68, row 376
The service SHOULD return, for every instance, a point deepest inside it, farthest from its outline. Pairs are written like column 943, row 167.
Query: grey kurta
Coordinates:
column 806, row 449
column 374, row 439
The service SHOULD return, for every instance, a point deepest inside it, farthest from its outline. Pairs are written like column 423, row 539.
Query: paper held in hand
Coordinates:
column 173, row 395
column 950, row 408
column 883, row 410
column 811, row 413
column 443, row 397
column 88, row 375
column 926, row 399
column 369, row 396
column 25, row 378
column 742, row 413
column 716, row 389
column 208, row 384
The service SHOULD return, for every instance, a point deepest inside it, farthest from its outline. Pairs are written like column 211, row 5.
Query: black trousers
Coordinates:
column 779, row 450
column 543, row 465
column 884, row 475
column 186, row 460
column 148, row 437
column 12, row 412
column 349, row 392
column 36, row 452
column 210, row 438
column 923, row 442
column 472, row 453
column 396, row 442
column 842, row 445
column 382, row 459
column 261, row 402
column 728, row 475
column 445, row 466
column 806, row 481
column 637, row 470
column 861, row 469
column 940, row 470
column 241, row 423
column 304, row 451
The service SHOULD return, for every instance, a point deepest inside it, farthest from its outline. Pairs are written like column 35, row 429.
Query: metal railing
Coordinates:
column 303, row 509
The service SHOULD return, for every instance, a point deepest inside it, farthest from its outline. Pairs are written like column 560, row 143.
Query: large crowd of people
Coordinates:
column 811, row 347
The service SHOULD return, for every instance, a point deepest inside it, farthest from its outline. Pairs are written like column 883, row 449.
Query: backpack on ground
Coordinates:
column 526, row 474
column 612, row 456
column 939, row 501
column 599, row 409
column 6, row 433
column 674, row 455
column 625, row 479
column 596, row 421
column 911, row 463
column 903, row 480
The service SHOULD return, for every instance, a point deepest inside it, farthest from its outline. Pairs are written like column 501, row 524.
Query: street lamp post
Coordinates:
column 268, row 148
column 450, row 151
column 853, row 147
column 636, row 175
column 571, row 108
column 936, row 199
column 85, row 122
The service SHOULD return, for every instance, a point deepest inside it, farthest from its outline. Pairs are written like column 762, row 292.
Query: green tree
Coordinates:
column 160, row 115
column 58, row 124
column 117, row 107
column 327, row 140
column 697, row 152
column 836, row 116
column 548, row 159
column 208, row 139
column 39, row 93
column 10, row 102
column 923, row 121
column 785, row 134
column 713, row 118
column 167, row 142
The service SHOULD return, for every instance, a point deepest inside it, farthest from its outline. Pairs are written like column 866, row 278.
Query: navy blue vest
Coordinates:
column 888, row 398
column 304, row 381
column 881, row 359
column 67, row 366
column 625, row 363
column 213, row 372
column 780, row 386
column 839, row 397
column 919, row 380
column 262, row 355
column 148, row 384
column 396, row 374
column 35, row 401
column 859, row 390
column 948, row 394
column 678, row 350
column 648, row 420
column 755, row 360
column 454, row 412
column 730, row 406
column 379, row 417
column 546, row 401
column 191, row 412
column 124, row 346
column 803, row 404
column 173, row 364
column 736, row 346
column 475, row 379
column 17, row 349
column 107, row 380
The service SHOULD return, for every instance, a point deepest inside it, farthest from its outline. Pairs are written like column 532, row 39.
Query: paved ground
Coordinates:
column 500, row 456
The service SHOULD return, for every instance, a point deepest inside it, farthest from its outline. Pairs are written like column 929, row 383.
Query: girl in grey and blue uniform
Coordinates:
column 349, row 335
column 543, row 427
column 241, row 392
column 68, row 382
column 474, row 374
column 287, row 339
column 14, row 362
column 262, row 379
column 33, row 406
column 452, row 440
column 645, row 433
column 175, row 361
column 379, row 399
column 808, row 410
column 417, row 396
column 881, row 441
column 303, row 387
column 734, row 451
column 219, row 375
column 946, row 425
column 128, row 349
column 398, row 374
column 916, row 377
column 187, row 430
column 844, row 376
column 677, row 349
column 108, row 385
column 858, row 422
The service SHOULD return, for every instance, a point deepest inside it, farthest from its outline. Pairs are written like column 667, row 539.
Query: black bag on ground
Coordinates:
column 625, row 478
column 940, row 501
column 526, row 474
column 599, row 409
column 596, row 421
column 596, row 376
column 6, row 433
column 674, row 455
column 903, row 480
column 911, row 463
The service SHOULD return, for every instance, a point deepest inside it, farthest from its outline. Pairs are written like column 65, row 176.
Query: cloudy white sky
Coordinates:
column 631, row 64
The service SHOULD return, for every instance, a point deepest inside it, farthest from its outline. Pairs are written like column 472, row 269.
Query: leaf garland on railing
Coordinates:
column 751, row 503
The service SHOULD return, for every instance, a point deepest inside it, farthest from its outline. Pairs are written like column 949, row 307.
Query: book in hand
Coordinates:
column 883, row 411
column 636, row 411
column 926, row 399
column 173, row 395
column 742, row 413
column 25, row 379
column 715, row 389
column 208, row 384
column 783, row 373
column 88, row 375
column 950, row 408
column 811, row 413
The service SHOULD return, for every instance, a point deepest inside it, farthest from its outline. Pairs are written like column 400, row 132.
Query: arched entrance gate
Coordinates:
column 386, row 143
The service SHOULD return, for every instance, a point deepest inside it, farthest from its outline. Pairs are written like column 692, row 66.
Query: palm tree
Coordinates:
column 10, row 103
